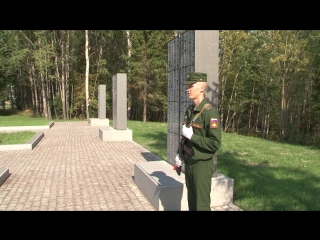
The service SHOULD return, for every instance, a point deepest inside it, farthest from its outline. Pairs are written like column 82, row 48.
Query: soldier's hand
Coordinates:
column 187, row 132
column 178, row 161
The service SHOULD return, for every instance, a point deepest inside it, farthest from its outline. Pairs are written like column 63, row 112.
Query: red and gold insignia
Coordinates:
column 213, row 123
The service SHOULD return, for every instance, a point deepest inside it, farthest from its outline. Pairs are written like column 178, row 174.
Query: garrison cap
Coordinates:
column 196, row 77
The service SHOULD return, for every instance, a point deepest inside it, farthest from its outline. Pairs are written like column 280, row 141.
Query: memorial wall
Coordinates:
column 192, row 51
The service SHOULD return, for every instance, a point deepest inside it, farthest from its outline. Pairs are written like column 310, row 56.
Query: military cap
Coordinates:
column 196, row 77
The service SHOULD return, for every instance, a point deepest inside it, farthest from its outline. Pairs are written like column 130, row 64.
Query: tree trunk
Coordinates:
column 145, row 80
column 44, row 101
column 264, row 111
column 30, row 75
column 58, row 85
column 66, row 60
column 252, row 104
column 35, row 100
column 222, row 90
column 87, row 71
column 98, row 64
column 63, row 74
column 129, row 55
column 145, row 101
column 283, row 114
column 43, row 87
column 229, row 118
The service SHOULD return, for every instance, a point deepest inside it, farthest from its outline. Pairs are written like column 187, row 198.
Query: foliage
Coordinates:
column 268, row 79
column 147, row 78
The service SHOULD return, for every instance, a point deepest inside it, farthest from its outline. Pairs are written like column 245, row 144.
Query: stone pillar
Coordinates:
column 102, row 101
column 207, row 60
column 119, row 131
column 102, row 119
column 119, row 83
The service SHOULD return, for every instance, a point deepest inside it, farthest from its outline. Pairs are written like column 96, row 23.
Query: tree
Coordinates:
column 87, row 71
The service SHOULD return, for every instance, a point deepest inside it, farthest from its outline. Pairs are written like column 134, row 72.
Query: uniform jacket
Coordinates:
column 206, row 141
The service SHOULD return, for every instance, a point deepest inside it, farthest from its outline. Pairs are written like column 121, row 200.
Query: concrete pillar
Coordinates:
column 119, row 83
column 102, row 101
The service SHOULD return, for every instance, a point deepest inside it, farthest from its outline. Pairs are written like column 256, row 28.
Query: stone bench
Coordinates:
column 166, row 190
column 4, row 174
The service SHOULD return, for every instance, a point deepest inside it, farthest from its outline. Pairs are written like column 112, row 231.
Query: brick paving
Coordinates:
column 72, row 169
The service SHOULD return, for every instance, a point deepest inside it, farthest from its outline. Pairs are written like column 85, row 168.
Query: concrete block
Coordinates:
column 166, row 190
column 35, row 139
column 161, row 185
column 221, row 190
column 4, row 174
column 110, row 134
column 99, row 122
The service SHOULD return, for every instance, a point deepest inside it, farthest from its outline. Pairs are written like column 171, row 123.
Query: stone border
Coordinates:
column 26, row 128
column 29, row 145
column 4, row 174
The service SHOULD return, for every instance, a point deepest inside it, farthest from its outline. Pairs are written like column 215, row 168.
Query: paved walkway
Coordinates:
column 72, row 169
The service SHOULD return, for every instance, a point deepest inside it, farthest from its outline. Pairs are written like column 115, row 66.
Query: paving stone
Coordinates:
column 71, row 169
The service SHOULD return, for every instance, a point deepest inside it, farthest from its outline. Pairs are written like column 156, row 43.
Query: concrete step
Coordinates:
column 166, row 190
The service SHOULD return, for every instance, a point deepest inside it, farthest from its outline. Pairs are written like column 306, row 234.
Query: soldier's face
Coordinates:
column 194, row 90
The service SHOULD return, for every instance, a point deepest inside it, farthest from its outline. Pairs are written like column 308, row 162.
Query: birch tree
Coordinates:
column 87, row 71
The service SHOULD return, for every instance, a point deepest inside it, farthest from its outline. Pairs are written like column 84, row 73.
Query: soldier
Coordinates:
column 202, row 130
column 90, row 107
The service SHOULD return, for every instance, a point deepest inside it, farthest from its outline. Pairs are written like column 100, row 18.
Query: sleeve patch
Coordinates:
column 214, row 123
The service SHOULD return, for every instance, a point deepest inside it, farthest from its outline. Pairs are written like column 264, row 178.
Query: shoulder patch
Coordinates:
column 208, row 107
column 214, row 123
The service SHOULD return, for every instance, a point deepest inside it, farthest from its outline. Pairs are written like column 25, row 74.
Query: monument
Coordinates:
column 102, row 120
column 119, row 131
column 192, row 51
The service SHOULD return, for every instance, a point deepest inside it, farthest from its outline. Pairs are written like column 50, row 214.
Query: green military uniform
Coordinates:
column 204, row 143
column 90, row 108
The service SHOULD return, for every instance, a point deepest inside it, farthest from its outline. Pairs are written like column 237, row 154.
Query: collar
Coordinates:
column 200, row 106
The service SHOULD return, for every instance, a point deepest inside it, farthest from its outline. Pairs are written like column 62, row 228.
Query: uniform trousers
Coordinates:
column 198, row 176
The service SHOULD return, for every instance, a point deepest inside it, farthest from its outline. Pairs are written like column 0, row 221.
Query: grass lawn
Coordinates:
column 16, row 137
column 13, row 121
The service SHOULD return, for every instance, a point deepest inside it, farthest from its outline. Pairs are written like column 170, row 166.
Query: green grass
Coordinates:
column 16, row 137
column 268, row 176
column 271, row 176
column 13, row 121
